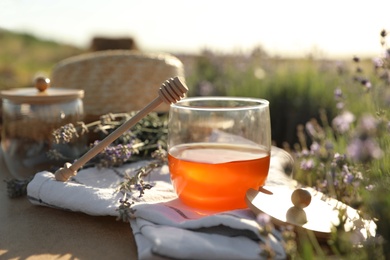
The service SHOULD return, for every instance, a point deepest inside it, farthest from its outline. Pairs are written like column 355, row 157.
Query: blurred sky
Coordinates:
column 282, row 27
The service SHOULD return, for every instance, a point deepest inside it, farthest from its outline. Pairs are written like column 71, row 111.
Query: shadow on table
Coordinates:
column 34, row 232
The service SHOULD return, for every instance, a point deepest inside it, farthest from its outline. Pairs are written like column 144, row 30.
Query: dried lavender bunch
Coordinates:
column 138, row 143
column 141, row 142
column 17, row 188
column 136, row 183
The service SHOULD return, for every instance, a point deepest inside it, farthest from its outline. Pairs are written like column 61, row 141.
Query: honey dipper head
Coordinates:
column 172, row 90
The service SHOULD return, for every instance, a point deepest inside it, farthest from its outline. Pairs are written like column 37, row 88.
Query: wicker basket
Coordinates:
column 116, row 81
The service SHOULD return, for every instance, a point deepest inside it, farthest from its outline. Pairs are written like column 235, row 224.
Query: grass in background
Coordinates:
column 297, row 88
column 23, row 56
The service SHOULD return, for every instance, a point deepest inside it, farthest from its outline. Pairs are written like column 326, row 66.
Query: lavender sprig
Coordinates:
column 139, row 142
column 137, row 183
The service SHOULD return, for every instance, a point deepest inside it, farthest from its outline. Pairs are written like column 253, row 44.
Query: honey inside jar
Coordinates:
column 217, row 176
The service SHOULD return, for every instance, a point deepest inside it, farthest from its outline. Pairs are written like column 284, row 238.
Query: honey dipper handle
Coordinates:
column 170, row 92
column 115, row 134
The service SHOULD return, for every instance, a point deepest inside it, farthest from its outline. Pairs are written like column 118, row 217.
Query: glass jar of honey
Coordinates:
column 29, row 117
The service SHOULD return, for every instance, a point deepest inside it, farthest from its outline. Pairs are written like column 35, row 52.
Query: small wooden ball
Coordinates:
column 42, row 83
column 296, row 215
column 301, row 198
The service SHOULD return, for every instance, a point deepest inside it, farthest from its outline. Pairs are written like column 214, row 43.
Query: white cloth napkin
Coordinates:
column 164, row 227
column 94, row 191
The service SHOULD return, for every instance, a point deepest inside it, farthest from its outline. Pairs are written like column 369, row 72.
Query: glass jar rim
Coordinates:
column 245, row 103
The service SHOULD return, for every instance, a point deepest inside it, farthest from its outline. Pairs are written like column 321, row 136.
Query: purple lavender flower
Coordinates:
column 336, row 183
column 338, row 94
column 329, row 146
column 348, row 176
column 315, row 147
column 114, row 155
column 340, row 105
column 310, row 128
column 367, row 124
column 342, row 122
column 323, row 184
column 364, row 150
column 339, row 159
column 367, row 84
column 263, row 219
column 378, row 63
column 307, row 164
column 304, row 153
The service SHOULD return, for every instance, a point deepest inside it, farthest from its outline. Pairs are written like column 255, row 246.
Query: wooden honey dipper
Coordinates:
column 171, row 91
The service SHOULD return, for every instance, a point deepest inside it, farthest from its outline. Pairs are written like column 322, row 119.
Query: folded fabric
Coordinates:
column 173, row 230
column 94, row 191
column 164, row 227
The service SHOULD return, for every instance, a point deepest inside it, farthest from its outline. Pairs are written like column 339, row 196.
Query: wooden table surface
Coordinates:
column 35, row 232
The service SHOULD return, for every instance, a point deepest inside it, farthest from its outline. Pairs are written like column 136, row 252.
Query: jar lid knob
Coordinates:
column 42, row 83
